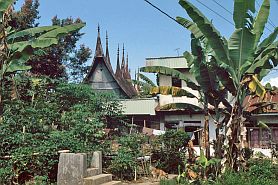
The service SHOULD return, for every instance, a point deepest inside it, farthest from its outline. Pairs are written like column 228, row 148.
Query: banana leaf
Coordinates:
column 256, row 87
column 60, row 31
column 241, row 45
column 30, row 32
column 169, row 90
column 209, row 31
column 181, row 106
column 170, row 72
column 146, row 79
column 4, row 5
column 241, row 9
column 267, row 60
column 36, row 43
column 191, row 26
column 261, row 20
column 267, row 41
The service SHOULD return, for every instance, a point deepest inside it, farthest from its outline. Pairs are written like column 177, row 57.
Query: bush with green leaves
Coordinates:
column 259, row 172
column 124, row 163
column 169, row 150
column 48, row 116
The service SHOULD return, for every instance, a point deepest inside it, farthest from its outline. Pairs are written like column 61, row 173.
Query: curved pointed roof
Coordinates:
column 118, row 67
column 123, row 84
column 99, row 50
column 107, row 56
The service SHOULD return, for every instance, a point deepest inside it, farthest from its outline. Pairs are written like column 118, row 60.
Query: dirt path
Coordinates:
column 147, row 181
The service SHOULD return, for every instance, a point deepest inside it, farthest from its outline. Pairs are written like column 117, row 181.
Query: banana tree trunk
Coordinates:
column 235, row 139
column 206, row 134
column 219, row 142
column 206, row 130
column 1, row 93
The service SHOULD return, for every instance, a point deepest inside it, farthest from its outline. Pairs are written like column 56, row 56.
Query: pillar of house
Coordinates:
column 162, row 123
column 162, row 126
column 181, row 125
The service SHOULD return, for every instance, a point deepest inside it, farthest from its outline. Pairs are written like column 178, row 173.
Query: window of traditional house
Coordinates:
column 260, row 138
column 192, row 128
column 176, row 82
column 194, row 134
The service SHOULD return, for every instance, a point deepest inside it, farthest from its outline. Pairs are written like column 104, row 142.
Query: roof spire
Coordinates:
column 99, row 51
column 107, row 52
column 127, row 71
column 123, row 60
column 118, row 68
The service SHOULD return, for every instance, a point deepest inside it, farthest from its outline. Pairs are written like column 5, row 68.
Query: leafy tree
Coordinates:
column 19, row 46
column 50, row 116
column 77, row 66
column 58, row 60
column 26, row 17
column 54, row 60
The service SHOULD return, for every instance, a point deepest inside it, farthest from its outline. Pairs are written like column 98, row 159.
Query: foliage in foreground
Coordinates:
column 169, row 150
column 124, row 163
column 260, row 172
column 167, row 153
column 48, row 117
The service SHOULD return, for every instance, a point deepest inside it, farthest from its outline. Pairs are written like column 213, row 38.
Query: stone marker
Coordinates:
column 71, row 168
column 97, row 161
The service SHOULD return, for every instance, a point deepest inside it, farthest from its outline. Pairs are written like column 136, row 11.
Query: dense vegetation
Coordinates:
column 260, row 172
column 42, row 113
column 50, row 116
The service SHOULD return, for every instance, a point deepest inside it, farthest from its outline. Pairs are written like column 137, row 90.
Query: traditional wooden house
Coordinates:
column 264, row 111
column 101, row 76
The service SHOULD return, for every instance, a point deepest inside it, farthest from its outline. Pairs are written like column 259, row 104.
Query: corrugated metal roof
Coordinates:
column 250, row 103
column 139, row 106
column 171, row 62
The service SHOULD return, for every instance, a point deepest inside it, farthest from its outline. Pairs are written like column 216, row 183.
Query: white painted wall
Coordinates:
column 167, row 99
column 194, row 117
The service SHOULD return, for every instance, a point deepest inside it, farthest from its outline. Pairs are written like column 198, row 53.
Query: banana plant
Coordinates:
column 240, row 61
column 210, row 91
column 18, row 46
column 147, row 88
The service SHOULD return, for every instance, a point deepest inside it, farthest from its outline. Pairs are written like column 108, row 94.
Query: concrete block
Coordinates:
column 92, row 172
column 98, row 179
column 97, row 161
column 72, row 169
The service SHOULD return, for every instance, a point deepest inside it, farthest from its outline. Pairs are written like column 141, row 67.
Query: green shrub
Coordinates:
column 261, row 172
column 124, row 164
column 168, row 150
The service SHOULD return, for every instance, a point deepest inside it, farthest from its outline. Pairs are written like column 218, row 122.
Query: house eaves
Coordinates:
column 171, row 62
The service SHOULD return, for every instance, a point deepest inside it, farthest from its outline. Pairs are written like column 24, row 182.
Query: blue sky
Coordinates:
column 144, row 31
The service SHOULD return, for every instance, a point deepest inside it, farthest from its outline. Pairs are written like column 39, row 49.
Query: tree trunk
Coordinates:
column 206, row 134
column 206, row 130
column 236, row 137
